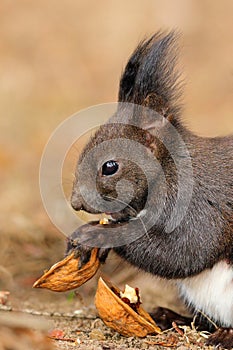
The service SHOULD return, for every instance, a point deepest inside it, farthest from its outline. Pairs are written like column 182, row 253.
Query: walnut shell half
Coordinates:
column 64, row 275
column 120, row 316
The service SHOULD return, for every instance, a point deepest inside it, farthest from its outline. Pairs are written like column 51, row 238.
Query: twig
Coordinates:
column 177, row 329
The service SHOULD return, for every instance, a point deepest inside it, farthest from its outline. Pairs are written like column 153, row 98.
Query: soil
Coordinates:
column 69, row 320
column 82, row 329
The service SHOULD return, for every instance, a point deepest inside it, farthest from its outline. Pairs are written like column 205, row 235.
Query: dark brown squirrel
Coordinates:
column 196, row 252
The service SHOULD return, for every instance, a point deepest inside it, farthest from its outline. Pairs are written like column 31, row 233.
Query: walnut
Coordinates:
column 120, row 314
column 65, row 275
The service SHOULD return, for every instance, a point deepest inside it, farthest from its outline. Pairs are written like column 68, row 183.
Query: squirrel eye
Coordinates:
column 109, row 168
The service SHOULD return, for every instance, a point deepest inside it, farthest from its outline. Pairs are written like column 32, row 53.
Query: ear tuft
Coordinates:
column 151, row 78
column 128, row 77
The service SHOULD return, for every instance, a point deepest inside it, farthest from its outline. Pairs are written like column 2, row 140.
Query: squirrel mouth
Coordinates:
column 117, row 217
column 121, row 217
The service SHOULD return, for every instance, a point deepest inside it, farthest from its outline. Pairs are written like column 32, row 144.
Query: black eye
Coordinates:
column 109, row 168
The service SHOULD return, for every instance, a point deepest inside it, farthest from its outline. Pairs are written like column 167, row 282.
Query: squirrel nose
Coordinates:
column 76, row 201
column 77, row 206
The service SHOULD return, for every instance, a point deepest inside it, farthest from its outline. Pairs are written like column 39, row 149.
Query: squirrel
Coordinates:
column 196, row 252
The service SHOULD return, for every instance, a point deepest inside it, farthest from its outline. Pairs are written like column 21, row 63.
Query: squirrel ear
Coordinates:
column 128, row 77
column 151, row 79
column 155, row 102
column 152, row 116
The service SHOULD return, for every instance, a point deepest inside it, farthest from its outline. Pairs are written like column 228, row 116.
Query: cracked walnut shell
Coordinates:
column 122, row 316
column 65, row 275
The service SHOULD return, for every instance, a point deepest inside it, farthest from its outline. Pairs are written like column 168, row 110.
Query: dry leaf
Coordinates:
column 56, row 334
column 64, row 275
column 120, row 316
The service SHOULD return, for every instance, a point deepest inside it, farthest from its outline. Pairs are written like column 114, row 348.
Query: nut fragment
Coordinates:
column 130, row 294
column 64, row 275
column 120, row 316
column 104, row 221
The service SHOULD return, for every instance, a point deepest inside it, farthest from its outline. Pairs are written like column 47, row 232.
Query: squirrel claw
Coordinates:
column 85, row 254
column 83, row 251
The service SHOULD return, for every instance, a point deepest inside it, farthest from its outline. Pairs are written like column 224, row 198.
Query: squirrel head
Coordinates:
column 112, row 171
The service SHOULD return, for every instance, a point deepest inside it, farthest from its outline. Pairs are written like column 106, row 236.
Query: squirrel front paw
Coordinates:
column 74, row 244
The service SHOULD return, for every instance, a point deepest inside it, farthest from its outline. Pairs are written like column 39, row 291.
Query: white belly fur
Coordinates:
column 211, row 292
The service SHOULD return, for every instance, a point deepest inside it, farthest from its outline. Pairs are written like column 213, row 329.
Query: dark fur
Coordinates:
column 205, row 235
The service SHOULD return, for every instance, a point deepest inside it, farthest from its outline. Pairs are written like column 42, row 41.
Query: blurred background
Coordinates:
column 57, row 57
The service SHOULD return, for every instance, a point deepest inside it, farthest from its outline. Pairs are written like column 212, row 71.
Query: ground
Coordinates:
column 82, row 329
column 70, row 319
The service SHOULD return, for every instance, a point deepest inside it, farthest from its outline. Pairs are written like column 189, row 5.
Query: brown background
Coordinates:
column 57, row 57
